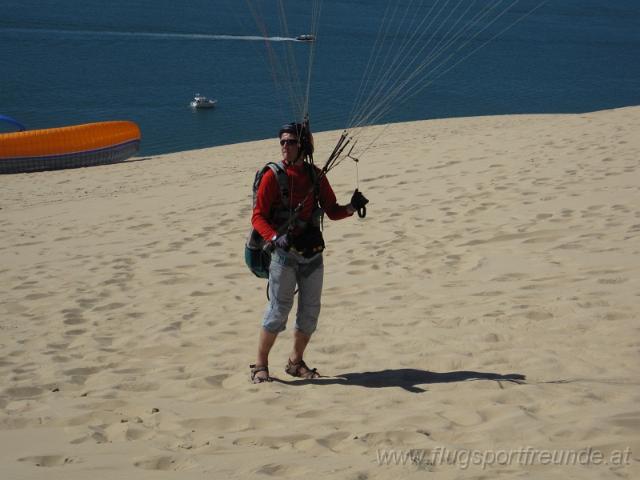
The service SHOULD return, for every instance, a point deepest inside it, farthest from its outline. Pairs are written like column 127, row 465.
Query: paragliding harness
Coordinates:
column 257, row 252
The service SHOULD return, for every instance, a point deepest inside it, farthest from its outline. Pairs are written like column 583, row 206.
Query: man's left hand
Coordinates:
column 358, row 200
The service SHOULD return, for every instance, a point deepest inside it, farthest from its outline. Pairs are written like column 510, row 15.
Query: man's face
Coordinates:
column 290, row 148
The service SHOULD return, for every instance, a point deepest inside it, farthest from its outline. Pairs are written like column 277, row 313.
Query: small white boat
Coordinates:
column 306, row 38
column 200, row 101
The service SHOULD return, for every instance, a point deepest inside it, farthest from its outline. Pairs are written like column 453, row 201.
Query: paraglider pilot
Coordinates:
column 296, row 259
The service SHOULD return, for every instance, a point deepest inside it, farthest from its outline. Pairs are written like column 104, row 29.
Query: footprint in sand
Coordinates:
column 136, row 386
column 83, row 371
column 26, row 285
column 163, row 463
column 37, row 296
column 612, row 281
column 50, row 460
column 75, row 332
column 358, row 263
column 488, row 293
column 109, row 307
column 227, row 424
column 279, row 470
column 172, row 327
column 395, row 438
column 175, row 280
column 86, row 302
column 538, row 315
column 210, row 382
column 274, row 442
column 21, row 393
column 198, row 293
column 509, row 277
column 353, row 235
column 73, row 316
column 142, row 226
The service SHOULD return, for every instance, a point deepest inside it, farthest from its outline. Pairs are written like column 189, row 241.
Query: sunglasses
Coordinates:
column 289, row 142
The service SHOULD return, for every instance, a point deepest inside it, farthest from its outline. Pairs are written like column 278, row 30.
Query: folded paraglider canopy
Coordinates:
column 68, row 147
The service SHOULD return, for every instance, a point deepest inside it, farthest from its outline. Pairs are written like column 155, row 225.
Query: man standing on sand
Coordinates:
column 297, row 257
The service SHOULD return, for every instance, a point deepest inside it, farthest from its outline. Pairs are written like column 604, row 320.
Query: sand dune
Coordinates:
column 488, row 302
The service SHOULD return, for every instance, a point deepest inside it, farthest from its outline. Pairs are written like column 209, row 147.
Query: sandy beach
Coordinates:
column 488, row 303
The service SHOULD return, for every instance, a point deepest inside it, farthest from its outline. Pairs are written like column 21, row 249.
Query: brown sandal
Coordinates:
column 293, row 369
column 255, row 369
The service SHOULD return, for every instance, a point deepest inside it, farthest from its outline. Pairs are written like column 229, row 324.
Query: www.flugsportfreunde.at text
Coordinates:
column 524, row 456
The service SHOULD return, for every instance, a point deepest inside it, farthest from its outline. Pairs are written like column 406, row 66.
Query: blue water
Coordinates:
column 73, row 61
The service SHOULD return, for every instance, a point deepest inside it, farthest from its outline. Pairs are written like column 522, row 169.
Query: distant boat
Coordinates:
column 200, row 101
column 306, row 38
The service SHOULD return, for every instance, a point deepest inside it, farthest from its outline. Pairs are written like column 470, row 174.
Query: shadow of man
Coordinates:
column 407, row 378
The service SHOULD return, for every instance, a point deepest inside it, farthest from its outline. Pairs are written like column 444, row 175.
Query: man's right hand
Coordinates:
column 282, row 242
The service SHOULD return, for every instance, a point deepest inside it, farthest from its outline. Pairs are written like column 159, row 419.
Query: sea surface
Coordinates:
column 66, row 62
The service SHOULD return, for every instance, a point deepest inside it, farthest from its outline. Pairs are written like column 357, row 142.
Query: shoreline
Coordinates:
column 337, row 132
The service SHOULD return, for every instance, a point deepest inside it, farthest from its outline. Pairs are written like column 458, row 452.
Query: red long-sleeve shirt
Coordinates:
column 268, row 198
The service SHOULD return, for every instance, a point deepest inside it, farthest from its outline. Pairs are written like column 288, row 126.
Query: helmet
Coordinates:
column 302, row 133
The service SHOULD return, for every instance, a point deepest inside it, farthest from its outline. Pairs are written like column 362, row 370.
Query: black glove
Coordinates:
column 282, row 242
column 359, row 202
